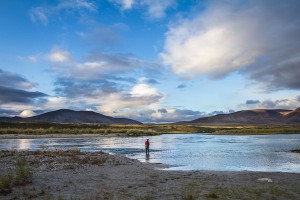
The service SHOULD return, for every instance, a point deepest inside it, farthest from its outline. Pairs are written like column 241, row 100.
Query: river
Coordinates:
column 268, row 153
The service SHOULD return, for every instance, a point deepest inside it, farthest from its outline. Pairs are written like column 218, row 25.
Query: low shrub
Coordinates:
column 212, row 195
column 24, row 172
column 6, row 182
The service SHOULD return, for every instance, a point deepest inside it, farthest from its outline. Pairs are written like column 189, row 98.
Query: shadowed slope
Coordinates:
column 71, row 116
column 246, row 117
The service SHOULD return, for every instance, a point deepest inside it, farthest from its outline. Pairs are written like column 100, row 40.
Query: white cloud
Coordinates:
column 96, row 65
column 230, row 36
column 284, row 103
column 125, row 4
column 27, row 113
column 143, row 90
column 161, row 114
column 43, row 13
column 157, row 8
column 141, row 96
column 54, row 103
column 59, row 55
column 76, row 5
column 39, row 14
column 33, row 59
column 15, row 81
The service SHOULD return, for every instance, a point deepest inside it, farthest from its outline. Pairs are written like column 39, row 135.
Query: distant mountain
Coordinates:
column 293, row 116
column 71, row 116
column 252, row 117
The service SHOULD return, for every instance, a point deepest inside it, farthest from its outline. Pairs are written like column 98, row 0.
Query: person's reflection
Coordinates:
column 147, row 157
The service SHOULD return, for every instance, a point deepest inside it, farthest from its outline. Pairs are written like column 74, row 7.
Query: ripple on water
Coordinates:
column 187, row 151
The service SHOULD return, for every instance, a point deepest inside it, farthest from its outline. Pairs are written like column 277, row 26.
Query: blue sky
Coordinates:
column 150, row 60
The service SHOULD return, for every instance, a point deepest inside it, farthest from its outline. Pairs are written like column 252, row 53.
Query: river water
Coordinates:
column 269, row 153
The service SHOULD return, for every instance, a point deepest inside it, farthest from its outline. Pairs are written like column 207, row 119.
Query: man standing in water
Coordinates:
column 147, row 145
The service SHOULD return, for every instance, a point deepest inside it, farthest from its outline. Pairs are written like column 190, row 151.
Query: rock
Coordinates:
column 265, row 180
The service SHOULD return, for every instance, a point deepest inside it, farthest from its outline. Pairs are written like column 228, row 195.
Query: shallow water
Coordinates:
column 270, row 153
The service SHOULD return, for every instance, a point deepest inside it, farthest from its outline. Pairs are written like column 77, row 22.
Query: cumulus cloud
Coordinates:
column 286, row 103
column 113, row 102
column 14, row 80
column 108, row 94
column 11, row 95
column 43, row 13
column 7, row 113
column 170, row 114
column 103, row 83
column 72, row 88
column 250, row 102
column 17, row 94
column 162, row 114
column 107, row 66
column 140, row 96
column 59, row 55
column 114, row 62
column 250, row 37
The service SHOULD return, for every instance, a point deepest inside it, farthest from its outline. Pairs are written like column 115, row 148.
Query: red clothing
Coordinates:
column 147, row 143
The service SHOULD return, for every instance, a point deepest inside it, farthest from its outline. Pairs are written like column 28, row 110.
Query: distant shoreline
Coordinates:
column 57, row 135
column 45, row 129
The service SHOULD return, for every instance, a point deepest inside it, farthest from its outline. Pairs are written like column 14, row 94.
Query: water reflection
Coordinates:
column 186, row 151
column 24, row 144
column 147, row 157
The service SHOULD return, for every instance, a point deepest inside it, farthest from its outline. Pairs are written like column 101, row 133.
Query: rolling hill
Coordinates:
column 71, row 116
column 252, row 117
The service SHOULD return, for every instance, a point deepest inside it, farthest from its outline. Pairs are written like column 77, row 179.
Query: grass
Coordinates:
column 263, row 129
column 212, row 195
column 43, row 128
column 24, row 172
column 6, row 182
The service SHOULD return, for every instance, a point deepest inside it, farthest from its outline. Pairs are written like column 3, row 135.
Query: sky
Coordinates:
column 149, row 60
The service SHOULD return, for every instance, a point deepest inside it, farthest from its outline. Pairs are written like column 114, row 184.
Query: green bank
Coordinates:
column 43, row 128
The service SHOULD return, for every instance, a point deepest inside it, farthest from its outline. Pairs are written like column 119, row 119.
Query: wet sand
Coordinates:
column 77, row 175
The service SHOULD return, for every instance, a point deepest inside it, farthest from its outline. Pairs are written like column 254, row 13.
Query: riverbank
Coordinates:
column 76, row 175
column 37, row 136
column 35, row 129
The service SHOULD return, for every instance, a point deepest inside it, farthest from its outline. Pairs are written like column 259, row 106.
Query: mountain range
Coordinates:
column 252, row 117
column 244, row 117
column 71, row 116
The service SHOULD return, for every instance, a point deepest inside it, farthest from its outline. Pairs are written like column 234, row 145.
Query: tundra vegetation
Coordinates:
column 22, row 175
column 43, row 128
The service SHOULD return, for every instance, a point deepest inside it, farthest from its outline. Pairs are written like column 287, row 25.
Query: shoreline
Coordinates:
column 57, row 135
column 76, row 175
